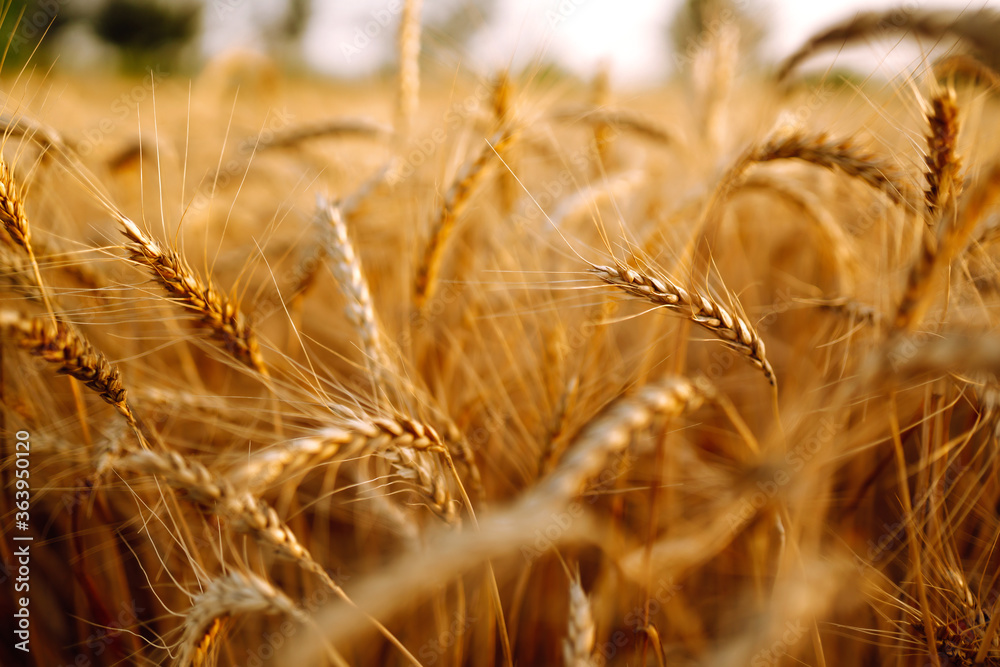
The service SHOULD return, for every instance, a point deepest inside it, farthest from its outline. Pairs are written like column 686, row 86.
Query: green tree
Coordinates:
column 148, row 32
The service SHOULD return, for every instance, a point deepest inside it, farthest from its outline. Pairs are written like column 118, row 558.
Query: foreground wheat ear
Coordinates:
column 726, row 324
column 215, row 311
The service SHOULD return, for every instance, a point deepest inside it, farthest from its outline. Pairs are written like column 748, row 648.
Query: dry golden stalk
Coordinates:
column 600, row 96
column 408, row 99
column 952, row 237
column 353, row 285
column 60, row 343
column 230, row 595
column 556, row 436
column 458, row 195
column 216, row 312
column 503, row 113
column 578, row 646
column 943, row 181
column 731, row 327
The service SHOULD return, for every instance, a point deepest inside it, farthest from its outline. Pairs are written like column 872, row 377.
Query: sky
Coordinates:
column 355, row 38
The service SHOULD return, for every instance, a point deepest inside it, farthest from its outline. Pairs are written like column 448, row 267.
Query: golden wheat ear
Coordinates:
column 943, row 165
column 844, row 155
column 216, row 312
column 352, row 283
column 578, row 646
column 704, row 310
column 60, row 343
column 233, row 594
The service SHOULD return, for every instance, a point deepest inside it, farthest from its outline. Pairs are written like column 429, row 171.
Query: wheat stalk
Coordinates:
column 215, row 311
column 952, row 237
column 732, row 328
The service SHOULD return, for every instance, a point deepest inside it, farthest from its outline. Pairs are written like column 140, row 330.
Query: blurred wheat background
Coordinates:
column 439, row 366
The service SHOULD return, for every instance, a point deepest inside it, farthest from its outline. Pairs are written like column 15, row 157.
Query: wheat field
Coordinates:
column 447, row 369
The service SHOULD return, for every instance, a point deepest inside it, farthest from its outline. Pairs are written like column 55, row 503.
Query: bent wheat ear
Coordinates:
column 229, row 595
column 730, row 327
column 60, row 343
column 216, row 312
column 834, row 154
column 246, row 514
column 978, row 29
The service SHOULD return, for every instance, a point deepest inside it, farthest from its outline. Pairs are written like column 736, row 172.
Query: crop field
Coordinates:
column 443, row 368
